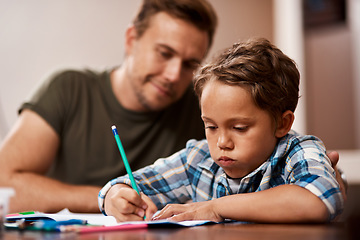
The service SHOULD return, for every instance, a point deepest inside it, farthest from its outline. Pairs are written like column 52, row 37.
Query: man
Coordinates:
column 61, row 150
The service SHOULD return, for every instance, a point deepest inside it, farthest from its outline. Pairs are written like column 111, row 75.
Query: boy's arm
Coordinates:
column 163, row 182
column 282, row 204
column 309, row 193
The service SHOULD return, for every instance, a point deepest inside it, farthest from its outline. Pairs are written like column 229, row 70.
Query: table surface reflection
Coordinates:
column 219, row 231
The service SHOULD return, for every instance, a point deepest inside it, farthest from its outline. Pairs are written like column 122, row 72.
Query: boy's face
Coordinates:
column 240, row 134
column 161, row 63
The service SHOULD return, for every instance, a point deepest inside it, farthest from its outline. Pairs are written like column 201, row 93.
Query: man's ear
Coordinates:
column 130, row 38
column 284, row 124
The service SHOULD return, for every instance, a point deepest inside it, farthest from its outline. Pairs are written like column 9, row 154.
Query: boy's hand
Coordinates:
column 191, row 211
column 125, row 204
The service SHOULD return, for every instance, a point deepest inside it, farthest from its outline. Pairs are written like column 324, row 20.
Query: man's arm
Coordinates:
column 281, row 204
column 25, row 156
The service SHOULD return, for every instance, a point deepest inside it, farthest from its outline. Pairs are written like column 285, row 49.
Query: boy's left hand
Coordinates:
column 190, row 211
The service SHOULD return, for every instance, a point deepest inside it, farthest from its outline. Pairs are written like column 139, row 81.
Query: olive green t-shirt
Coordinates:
column 81, row 107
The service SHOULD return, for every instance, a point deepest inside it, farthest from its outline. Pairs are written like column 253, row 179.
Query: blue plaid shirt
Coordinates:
column 191, row 174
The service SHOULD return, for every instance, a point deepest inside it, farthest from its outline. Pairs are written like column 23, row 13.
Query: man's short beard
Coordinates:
column 139, row 95
column 142, row 100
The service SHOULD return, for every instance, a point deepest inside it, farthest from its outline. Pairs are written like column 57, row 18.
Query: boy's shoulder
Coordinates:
column 198, row 154
column 293, row 140
column 193, row 143
column 296, row 147
column 199, row 147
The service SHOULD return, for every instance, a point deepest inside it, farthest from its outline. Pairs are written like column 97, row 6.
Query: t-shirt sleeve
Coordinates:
column 52, row 100
column 309, row 167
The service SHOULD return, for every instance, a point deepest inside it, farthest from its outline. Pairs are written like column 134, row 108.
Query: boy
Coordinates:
column 251, row 167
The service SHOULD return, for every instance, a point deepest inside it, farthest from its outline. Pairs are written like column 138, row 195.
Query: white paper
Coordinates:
column 102, row 220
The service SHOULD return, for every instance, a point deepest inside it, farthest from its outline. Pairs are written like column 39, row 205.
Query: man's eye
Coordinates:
column 210, row 127
column 191, row 65
column 165, row 54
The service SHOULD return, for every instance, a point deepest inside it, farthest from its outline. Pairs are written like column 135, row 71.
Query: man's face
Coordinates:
column 161, row 63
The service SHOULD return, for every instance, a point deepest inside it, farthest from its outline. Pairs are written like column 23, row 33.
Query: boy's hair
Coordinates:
column 271, row 77
column 197, row 12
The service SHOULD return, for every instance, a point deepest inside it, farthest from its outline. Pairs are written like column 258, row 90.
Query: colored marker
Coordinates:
column 50, row 225
column 123, row 156
column 28, row 213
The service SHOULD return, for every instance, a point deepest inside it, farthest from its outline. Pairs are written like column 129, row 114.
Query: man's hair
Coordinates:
column 197, row 12
column 271, row 77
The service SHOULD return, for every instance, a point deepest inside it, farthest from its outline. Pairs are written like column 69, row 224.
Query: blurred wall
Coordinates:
column 40, row 36
column 330, row 82
column 289, row 37
column 332, row 73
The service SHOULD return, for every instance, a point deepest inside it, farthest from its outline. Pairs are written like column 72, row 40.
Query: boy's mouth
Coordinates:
column 225, row 161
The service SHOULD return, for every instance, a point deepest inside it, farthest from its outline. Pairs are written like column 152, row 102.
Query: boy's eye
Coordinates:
column 210, row 127
column 241, row 129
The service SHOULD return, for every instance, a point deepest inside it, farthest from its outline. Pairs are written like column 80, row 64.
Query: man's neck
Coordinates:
column 122, row 89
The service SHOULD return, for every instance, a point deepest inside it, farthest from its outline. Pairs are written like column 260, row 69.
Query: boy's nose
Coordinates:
column 225, row 142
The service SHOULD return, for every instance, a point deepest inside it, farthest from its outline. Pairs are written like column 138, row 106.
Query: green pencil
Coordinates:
column 123, row 156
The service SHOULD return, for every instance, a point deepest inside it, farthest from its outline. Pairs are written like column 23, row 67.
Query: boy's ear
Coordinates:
column 284, row 124
column 130, row 37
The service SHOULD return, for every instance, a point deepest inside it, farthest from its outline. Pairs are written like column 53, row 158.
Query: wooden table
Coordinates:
column 220, row 231
column 348, row 228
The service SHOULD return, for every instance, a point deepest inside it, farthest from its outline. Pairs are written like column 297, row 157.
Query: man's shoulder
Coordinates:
column 75, row 76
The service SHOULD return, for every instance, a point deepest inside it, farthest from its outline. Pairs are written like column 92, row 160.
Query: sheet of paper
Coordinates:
column 93, row 219
column 101, row 220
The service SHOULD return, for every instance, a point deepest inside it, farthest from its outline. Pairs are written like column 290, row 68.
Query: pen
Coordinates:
column 123, row 156
column 50, row 225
